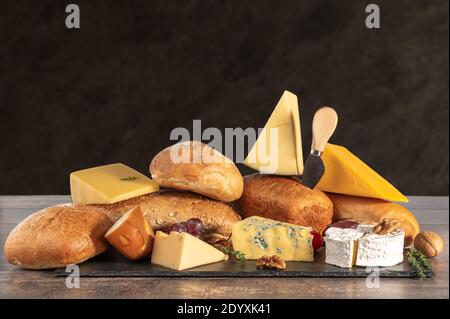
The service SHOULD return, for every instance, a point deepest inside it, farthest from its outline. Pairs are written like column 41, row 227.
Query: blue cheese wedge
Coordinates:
column 257, row 236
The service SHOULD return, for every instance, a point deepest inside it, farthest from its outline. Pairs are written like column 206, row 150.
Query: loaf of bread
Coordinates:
column 284, row 199
column 373, row 211
column 167, row 207
column 59, row 235
column 196, row 167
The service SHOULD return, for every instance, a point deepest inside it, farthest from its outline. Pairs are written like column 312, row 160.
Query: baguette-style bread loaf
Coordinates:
column 373, row 211
column 59, row 235
column 196, row 167
column 167, row 207
column 284, row 199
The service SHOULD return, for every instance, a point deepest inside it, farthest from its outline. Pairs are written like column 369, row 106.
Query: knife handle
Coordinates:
column 324, row 123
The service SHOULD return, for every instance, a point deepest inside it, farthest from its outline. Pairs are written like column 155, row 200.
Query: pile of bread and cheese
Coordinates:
column 182, row 216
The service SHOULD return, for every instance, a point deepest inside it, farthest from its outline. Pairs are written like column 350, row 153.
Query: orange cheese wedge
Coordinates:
column 132, row 235
column 347, row 174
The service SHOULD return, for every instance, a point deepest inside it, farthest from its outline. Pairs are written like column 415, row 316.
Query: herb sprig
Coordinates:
column 418, row 262
column 129, row 178
column 235, row 253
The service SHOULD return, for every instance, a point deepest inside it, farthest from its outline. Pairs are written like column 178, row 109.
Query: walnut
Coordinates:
column 270, row 262
column 429, row 243
column 387, row 225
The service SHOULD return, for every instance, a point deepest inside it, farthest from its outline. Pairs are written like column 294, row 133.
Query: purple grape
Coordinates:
column 178, row 228
column 194, row 226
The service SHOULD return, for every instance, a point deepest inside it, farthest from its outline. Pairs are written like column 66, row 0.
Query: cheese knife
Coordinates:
column 324, row 123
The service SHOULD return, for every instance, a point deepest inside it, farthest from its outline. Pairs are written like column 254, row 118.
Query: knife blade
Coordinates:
column 324, row 123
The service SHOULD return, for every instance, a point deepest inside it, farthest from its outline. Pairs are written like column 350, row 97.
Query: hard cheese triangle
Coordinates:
column 109, row 184
column 347, row 174
column 181, row 251
column 278, row 149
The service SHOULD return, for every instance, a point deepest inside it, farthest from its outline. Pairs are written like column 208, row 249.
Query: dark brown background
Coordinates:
column 113, row 90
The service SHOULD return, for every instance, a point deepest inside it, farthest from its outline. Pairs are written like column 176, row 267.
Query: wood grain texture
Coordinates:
column 432, row 213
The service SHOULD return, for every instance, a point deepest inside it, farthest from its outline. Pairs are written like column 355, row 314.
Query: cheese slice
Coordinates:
column 257, row 236
column 347, row 174
column 181, row 251
column 109, row 184
column 278, row 149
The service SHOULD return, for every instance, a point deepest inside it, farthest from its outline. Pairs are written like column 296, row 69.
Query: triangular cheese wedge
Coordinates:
column 347, row 174
column 181, row 251
column 278, row 149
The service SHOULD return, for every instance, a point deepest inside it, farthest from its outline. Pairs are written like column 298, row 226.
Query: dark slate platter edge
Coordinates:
column 221, row 274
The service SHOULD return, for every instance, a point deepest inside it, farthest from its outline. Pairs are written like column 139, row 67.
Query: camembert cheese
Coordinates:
column 341, row 245
column 256, row 237
column 361, row 246
column 180, row 251
column 347, row 174
column 278, row 149
column 109, row 184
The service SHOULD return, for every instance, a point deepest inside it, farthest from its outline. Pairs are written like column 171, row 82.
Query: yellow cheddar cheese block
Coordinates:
column 180, row 251
column 257, row 236
column 109, row 184
column 347, row 174
column 278, row 149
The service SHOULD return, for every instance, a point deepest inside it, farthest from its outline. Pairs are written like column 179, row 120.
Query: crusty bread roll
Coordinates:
column 373, row 211
column 167, row 207
column 284, row 199
column 196, row 167
column 59, row 235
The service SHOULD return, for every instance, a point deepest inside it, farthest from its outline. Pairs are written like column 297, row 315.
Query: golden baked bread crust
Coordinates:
column 284, row 199
column 373, row 211
column 216, row 176
column 167, row 207
column 59, row 235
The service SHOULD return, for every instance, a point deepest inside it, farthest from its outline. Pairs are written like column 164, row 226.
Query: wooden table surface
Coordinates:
column 432, row 213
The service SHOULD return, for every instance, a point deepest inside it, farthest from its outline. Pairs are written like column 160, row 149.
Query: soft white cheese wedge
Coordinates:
column 341, row 246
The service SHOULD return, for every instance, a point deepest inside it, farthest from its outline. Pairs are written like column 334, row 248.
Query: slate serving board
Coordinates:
column 112, row 264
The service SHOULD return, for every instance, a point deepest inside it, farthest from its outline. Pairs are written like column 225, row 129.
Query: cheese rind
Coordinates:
column 347, row 174
column 278, row 149
column 381, row 250
column 341, row 246
column 180, row 251
column 132, row 235
column 109, row 184
column 256, row 237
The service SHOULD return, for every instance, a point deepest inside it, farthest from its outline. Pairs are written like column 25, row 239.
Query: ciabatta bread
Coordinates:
column 167, row 207
column 59, row 235
column 373, row 211
column 284, row 199
column 196, row 167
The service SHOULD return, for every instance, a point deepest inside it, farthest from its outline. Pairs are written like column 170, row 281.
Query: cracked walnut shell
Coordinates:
column 270, row 262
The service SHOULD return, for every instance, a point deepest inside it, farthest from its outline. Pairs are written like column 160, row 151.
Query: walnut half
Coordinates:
column 270, row 262
column 387, row 226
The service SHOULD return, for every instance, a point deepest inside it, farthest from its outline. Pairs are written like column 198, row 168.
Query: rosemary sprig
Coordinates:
column 418, row 262
column 235, row 253
column 129, row 178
